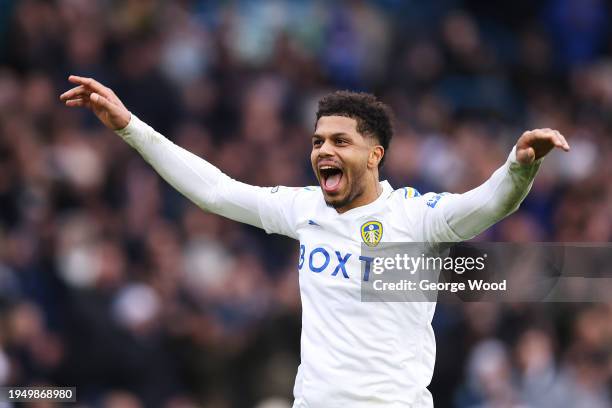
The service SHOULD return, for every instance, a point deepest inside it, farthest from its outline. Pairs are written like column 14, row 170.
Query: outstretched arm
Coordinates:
column 463, row 216
column 198, row 180
column 194, row 177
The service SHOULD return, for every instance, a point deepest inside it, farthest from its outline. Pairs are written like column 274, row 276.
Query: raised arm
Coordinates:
column 194, row 177
column 463, row 216
column 198, row 180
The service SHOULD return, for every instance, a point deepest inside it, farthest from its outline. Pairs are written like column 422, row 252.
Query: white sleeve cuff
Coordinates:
column 134, row 126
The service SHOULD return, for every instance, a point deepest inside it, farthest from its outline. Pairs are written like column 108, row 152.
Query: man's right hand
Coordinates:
column 100, row 99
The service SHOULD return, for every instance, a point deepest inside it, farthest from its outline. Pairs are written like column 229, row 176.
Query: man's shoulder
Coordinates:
column 294, row 195
column 406, row 192
column 293, row 190
column 410, row 196
column 283, row 208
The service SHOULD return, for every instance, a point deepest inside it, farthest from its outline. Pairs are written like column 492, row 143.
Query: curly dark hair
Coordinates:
column 373, row 117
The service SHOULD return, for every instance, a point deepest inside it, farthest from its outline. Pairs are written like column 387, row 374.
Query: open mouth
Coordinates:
column 331, row 177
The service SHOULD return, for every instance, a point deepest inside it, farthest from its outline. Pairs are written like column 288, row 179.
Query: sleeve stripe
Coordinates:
column 410, row 192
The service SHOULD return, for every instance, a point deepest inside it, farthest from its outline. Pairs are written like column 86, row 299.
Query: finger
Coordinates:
column 546, row 132
column 526, row 156
column 565, row 145
column 74, row 93
column 102, row 102
column 559, row 142
column 556, row 139
column 91, row 84
column 553, row 136
column 78, row 102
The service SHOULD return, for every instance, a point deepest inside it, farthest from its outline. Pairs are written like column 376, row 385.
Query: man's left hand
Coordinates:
column 535, row 144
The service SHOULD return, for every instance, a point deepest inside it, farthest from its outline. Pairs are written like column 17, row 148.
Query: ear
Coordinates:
column 376, row 154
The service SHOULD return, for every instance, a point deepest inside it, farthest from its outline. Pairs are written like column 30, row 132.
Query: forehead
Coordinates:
column 329, row 125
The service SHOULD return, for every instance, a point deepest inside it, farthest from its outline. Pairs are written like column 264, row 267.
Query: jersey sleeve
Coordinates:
column 458, row 217
column 208, row 187
column 278, row 210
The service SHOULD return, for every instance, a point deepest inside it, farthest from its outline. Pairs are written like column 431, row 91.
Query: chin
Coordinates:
column 337, row 202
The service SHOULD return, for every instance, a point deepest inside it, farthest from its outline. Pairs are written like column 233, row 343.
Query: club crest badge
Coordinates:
column 371, row 233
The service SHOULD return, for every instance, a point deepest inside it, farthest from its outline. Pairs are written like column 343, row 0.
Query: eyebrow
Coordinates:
column 333, row 135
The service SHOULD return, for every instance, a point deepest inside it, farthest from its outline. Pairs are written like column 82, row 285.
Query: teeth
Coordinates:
column 327, row 168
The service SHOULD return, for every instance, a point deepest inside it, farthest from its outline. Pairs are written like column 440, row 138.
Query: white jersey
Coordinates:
column 353, row 354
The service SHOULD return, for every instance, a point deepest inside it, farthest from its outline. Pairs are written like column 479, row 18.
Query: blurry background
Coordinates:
column 112, row 282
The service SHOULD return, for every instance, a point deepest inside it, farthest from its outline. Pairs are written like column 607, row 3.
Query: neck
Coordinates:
column 372, row 191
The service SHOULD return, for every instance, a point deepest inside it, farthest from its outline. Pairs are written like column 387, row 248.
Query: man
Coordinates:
column 354, row 354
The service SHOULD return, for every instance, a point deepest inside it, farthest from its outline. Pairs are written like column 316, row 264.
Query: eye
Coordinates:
column 341, row 141
column 317, row 142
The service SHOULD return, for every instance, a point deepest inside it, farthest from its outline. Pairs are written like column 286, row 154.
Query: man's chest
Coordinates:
column 338, row 253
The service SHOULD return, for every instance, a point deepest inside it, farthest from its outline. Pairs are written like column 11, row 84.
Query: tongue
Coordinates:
column 332, row 181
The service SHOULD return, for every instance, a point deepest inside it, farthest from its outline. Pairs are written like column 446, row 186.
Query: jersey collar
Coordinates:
column 369, row 208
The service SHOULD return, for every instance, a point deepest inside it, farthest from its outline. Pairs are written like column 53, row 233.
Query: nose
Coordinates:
column 326, row 149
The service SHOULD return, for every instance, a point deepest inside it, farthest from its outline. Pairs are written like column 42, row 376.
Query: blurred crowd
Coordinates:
column 112, row 282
